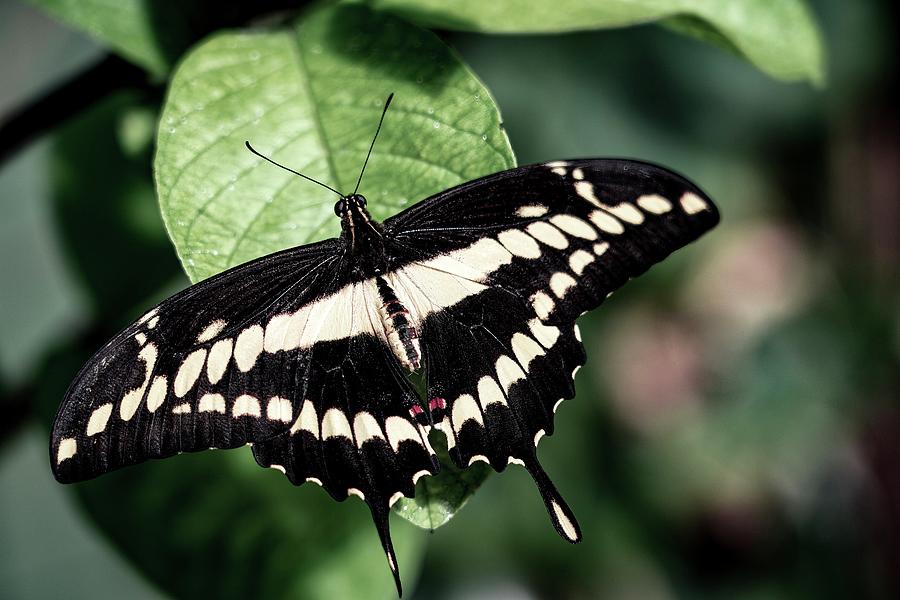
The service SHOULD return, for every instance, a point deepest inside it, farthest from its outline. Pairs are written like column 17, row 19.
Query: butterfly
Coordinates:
column 305, row 354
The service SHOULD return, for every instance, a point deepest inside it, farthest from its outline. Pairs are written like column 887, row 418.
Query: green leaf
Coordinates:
column 310, row 97
column 780, row 38
column 439, row 498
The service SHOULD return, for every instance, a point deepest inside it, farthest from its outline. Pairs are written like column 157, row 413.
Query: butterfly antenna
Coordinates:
column 264, row 157
column 380, row 121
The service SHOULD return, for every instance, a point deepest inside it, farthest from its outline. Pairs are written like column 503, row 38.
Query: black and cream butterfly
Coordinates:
column 305, row 353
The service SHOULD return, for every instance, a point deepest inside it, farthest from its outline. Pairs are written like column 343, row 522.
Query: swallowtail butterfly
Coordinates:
column 304, row 354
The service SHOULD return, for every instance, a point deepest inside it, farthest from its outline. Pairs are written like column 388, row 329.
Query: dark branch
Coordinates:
column 27, row 123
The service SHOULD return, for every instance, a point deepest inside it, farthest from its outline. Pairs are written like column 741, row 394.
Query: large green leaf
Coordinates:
column 311, row 97
column 781, row 38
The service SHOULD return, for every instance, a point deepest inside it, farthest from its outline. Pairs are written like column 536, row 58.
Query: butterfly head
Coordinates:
column 350, row 204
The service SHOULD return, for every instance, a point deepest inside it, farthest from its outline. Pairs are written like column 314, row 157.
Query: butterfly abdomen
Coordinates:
column 401, row 334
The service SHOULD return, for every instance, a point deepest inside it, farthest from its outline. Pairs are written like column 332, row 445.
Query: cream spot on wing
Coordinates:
column 189, row 371
column 152, row 322
column 314, row 480
column 547, row 234
column 556, row 164
column 335, row 424
column 574, row 226
column 692, row 203
column 307, row 420
column 395, row 498
column 419, row 475
column 68, row 447
column 654, row 203
column 545, row 334
column 140, row 338
column 279, row 409
column 99, row 418
column 478, row 458
column 132, row 399
column 577, row 331
column 537, row 437
column 519, row 243
column 560, row 283
column 248, row 347
column 365, row 428
column 246, row 405
column 525, row 349
column 508, row 372
column 466, row 408
column 575, row 371
column 600, row 249
column 475, row 262
column 557, row 403
column 399, row 429
column 212, row 403
column 578, row 174
column 579, row 260
column 276, row 332
column 606, row 222
column 585, row 189
column 219, row 357
column 279, row 468
column 182, row 409
column 627, row 212
column 356, row 492
column 489, row 392
column 157, row 394
column 211, row 331
column 148, row 315
column 531, row 211
column 542, row 304
column 567, row 526
column 515, row 461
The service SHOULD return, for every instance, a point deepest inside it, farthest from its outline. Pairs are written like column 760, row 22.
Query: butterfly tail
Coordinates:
column 381, row 514
column 561, row 515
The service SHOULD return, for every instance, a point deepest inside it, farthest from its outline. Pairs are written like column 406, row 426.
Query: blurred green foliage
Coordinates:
column 736, row 431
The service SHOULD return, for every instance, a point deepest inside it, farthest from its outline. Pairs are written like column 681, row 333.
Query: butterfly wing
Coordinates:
column 532, row 249
column 356, row 434
column 193, row 373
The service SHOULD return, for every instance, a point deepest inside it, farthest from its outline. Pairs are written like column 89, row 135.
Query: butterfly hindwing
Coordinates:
column 192, row 373
column 356, row 433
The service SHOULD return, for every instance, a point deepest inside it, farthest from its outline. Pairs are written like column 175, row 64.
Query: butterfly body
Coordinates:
column 305, row 353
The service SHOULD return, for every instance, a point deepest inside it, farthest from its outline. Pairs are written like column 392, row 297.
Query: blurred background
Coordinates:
column 760, row 460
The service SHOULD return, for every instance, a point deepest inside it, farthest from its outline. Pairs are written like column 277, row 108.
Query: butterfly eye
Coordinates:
column 361, row 200
column 339, row 207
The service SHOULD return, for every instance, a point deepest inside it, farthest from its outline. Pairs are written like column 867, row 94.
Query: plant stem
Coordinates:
column 30, row 121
